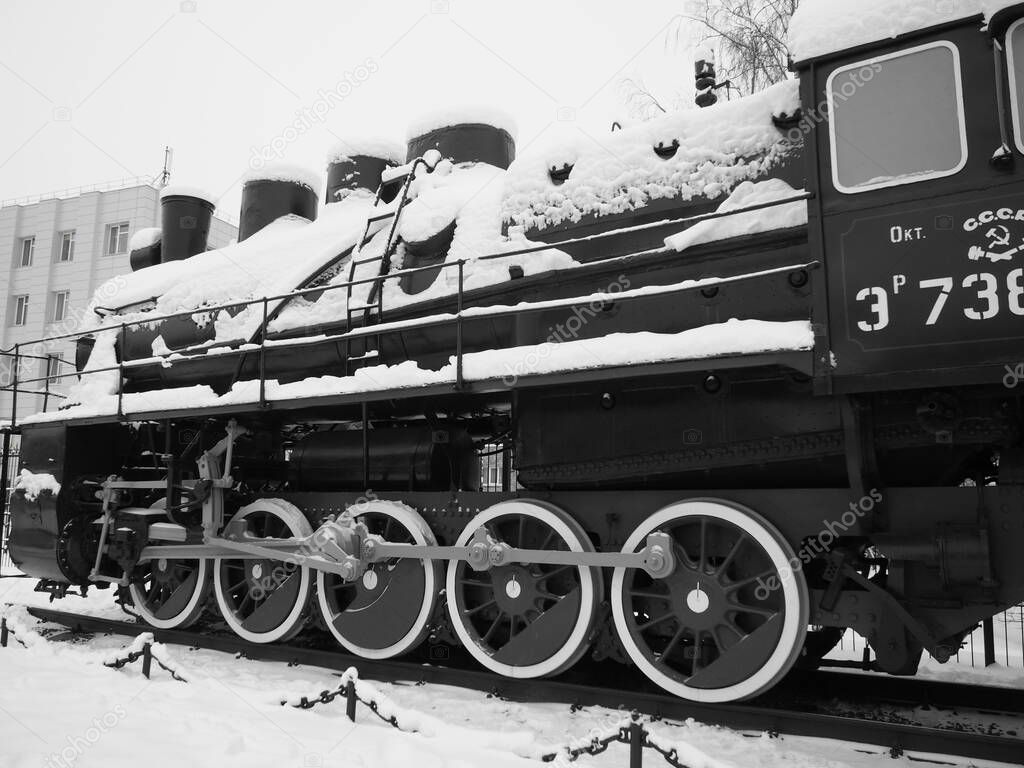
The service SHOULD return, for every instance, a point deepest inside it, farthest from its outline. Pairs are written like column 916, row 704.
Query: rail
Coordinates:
column 458, row 318
column 104, row 186
column 785, row 711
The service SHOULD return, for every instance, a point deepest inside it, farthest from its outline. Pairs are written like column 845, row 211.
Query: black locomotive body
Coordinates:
column 725, row 455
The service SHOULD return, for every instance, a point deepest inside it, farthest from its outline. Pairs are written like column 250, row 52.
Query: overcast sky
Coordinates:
column 92, row 90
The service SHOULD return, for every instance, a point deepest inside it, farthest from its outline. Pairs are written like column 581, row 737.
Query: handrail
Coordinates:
column 430, row 321
column 438, row 320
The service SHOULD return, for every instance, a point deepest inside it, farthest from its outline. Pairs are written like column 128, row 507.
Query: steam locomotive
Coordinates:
column 754, row 366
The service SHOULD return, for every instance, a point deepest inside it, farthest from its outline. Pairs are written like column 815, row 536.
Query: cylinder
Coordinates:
column 346, row 174
column 185, row 225
column 266, row 200
column 410, row 459
column 467, row 142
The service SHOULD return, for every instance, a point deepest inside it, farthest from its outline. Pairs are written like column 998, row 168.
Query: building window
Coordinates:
column 117, row 238
column 20, row 310
column 52, row 369
column 67, row 246
column 60, row 305
column 897, row 119
column 28, row 250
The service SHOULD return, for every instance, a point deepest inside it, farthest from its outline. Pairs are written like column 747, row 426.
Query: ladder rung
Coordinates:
column 366, row 261
column 381, row 217
column 361, row 307
column 391, row 175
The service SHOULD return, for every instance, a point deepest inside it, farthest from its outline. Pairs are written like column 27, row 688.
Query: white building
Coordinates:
column 54, row 253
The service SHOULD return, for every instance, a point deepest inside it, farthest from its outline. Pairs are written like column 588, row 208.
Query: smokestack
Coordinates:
column 185, row 216
column 269, row 194
column 357, row 163
column 465, row 134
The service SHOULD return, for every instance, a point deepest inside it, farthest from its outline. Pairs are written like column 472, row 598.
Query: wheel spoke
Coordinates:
column 696, row 650
column 663, row 658
column 720, row 571
column 750, row 580
column 494, row 625
column 766, row 612
column 558, row 571
column 651, row 595
column 702, row 563
column 477, row 609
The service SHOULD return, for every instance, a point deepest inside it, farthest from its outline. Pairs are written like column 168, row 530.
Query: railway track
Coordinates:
column 786, row 710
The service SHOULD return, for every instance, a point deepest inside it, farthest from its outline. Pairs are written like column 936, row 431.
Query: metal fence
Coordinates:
column 496, row 473
column 13, row 453
column 998, row 641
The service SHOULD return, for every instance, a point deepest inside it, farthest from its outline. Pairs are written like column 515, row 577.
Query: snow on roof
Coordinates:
column 719, row 147
column 747, row 194
column 286, row 172
column 469, row 197
column 460, row 115
column 821, row 27
column 271, row 261
column 188, row 191
column 144, row 238
column 371, row 146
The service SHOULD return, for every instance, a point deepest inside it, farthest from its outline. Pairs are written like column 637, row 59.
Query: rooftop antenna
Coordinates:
column 165, row 174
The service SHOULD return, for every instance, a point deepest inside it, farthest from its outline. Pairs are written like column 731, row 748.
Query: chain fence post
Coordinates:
column 3, row 633
column 350, row 700
column 636, row 741
column 147, row 659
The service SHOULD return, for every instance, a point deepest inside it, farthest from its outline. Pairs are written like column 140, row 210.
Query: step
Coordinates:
column 381, row 217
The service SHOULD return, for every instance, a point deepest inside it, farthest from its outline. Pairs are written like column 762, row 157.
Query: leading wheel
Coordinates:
column 170, row 593
column 525, row 620
column 730, row 621
column 387, row 610
column 264, row 601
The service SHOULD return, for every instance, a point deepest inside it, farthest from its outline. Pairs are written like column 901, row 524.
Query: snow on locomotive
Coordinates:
column 754, row 364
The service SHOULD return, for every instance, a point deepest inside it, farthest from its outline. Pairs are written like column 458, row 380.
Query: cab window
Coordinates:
column 897, row 119
column 1015, row 58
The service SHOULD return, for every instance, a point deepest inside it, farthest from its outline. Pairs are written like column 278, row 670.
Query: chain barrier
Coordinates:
column 631, row 731
column 6, row 632
column 147, row 656
column 142, row 648
column 349, row 688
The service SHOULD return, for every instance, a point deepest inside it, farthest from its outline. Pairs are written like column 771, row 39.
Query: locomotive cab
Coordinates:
column 916, row 168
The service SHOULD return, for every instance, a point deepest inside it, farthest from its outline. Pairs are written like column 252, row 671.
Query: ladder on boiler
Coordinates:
column 379, row 263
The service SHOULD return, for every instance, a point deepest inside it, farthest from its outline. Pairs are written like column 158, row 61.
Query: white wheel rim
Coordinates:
column 188, row 614
column 421, row 532
column 574, row 536
column 794, row 591
column 193, row 608
column 300, row 528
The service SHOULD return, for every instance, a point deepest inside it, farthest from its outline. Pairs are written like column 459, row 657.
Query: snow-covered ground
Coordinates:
column 59, row 706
